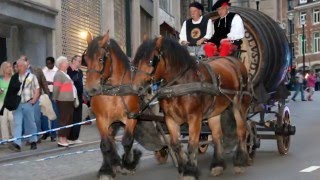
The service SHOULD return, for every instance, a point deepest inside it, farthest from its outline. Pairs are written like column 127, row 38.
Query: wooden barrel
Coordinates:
column 264, row 51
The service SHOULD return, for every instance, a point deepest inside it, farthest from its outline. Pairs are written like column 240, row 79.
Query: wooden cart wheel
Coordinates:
column 161, row 155
column 203, row 148
column 252, row 139
column 283, row 141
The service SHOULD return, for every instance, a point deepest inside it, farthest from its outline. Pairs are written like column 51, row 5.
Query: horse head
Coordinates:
column 96, row 58
column 106, row 62
column 161, row 58
column 148, row 63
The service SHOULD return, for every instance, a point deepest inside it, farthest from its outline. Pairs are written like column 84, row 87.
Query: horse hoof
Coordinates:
column 106, row 177
column 239, row 170
column 216, row 171
column 250, row 162
column 125, row 171
column 188, row 178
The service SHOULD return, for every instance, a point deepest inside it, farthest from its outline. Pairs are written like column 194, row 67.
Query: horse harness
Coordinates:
column 107, row 88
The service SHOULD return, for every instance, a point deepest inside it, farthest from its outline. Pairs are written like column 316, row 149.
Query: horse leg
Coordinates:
column 218, row 164
column 111, row 159
column 130, row 158
column 191, row 168
column 174, row 131
column 241, row 156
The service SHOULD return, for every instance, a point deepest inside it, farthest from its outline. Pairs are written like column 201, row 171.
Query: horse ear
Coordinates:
column 106, row 38
column 159, row 41
column 145, row 37
column 89, row 37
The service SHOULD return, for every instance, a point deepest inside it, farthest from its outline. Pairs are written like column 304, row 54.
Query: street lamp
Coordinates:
column 257, row 4
column 303, row 22
column 290, row 18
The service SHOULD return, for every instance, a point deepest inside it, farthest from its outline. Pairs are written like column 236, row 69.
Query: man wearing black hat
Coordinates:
column 228, row 29
column 196, row 30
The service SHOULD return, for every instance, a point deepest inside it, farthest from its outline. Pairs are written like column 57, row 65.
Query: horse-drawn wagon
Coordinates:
column 216, row 98
column 265, row 53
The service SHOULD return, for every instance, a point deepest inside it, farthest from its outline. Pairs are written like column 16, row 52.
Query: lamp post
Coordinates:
column 290, row 18
column 257, row 4
column 303, row 22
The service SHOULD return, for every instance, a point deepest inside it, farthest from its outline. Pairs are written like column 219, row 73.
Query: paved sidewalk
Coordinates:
column 88, row 134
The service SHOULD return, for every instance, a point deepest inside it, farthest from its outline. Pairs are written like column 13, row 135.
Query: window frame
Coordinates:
column 316, row 16
column 316, row 42
column 300, row 44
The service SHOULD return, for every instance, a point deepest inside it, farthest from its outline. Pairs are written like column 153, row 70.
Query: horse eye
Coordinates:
column 100, row 60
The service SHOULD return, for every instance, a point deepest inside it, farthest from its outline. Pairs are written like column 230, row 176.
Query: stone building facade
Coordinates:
column 41, row 28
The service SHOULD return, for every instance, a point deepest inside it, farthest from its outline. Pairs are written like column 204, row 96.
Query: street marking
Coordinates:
column 310, row 169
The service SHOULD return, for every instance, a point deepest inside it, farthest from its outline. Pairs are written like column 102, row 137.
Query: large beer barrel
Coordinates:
column 264, row 51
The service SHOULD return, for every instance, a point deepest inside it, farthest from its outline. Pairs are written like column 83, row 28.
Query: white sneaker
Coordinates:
column 77, row 141
column 70, row 142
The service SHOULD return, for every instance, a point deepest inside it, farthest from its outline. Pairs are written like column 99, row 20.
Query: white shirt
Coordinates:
column 183, row 32
column 49, row 74
column 237, row 29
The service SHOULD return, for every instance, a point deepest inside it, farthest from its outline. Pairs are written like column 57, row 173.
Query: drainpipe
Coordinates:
column 128, row 27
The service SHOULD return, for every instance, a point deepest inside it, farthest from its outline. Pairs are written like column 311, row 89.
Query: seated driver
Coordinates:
column 228, row 31
column 196, row 30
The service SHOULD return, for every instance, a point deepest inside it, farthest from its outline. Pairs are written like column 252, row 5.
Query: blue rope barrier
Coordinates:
column 43, row 132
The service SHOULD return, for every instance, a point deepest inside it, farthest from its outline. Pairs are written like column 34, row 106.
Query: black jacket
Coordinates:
column 13, row 89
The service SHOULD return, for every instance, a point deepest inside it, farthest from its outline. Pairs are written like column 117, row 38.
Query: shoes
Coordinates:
column 63, row 144
column 45, row 136
column 303, row 100
column 39, row 141
column 293, row 99
column 14, row 147
column 53, row 139
column 33, row 146
column 74, row 142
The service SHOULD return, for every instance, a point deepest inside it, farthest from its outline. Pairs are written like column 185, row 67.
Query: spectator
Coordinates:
column 6, row 120
column 64, row 94
column 41, row 126
column 311, row 81
column 317, row 88
column 49, row 71
column 15, row 69
column 299, row 86
column 76, row 75
column 24, row 114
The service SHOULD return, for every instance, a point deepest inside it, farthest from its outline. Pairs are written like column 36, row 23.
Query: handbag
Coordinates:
column 12, row 102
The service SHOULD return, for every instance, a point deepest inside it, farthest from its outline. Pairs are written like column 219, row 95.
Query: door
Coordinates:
column 3, row 50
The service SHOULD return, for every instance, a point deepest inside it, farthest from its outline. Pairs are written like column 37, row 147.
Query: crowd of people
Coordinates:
column 60, row 81
column 309, row 83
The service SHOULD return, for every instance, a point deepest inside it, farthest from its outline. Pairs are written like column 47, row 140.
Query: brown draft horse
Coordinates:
column 108, row 74
column 167, row 60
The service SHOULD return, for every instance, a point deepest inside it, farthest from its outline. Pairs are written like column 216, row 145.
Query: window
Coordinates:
column 165, row 5
column 316, row 42
column 303, row 1
column 303, row 16
column 316, row 16
column 290, row 5
column 146, row 23
column 303, row 42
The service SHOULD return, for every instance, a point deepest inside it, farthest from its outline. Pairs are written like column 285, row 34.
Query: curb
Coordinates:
column 23, row 155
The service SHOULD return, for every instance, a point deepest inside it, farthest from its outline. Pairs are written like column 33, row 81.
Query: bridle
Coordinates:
column 102, row 61
column 153, row 62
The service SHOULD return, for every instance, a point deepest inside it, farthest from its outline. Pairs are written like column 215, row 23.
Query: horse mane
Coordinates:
column 144, row 51
column 178, row 56
column 94, row 47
